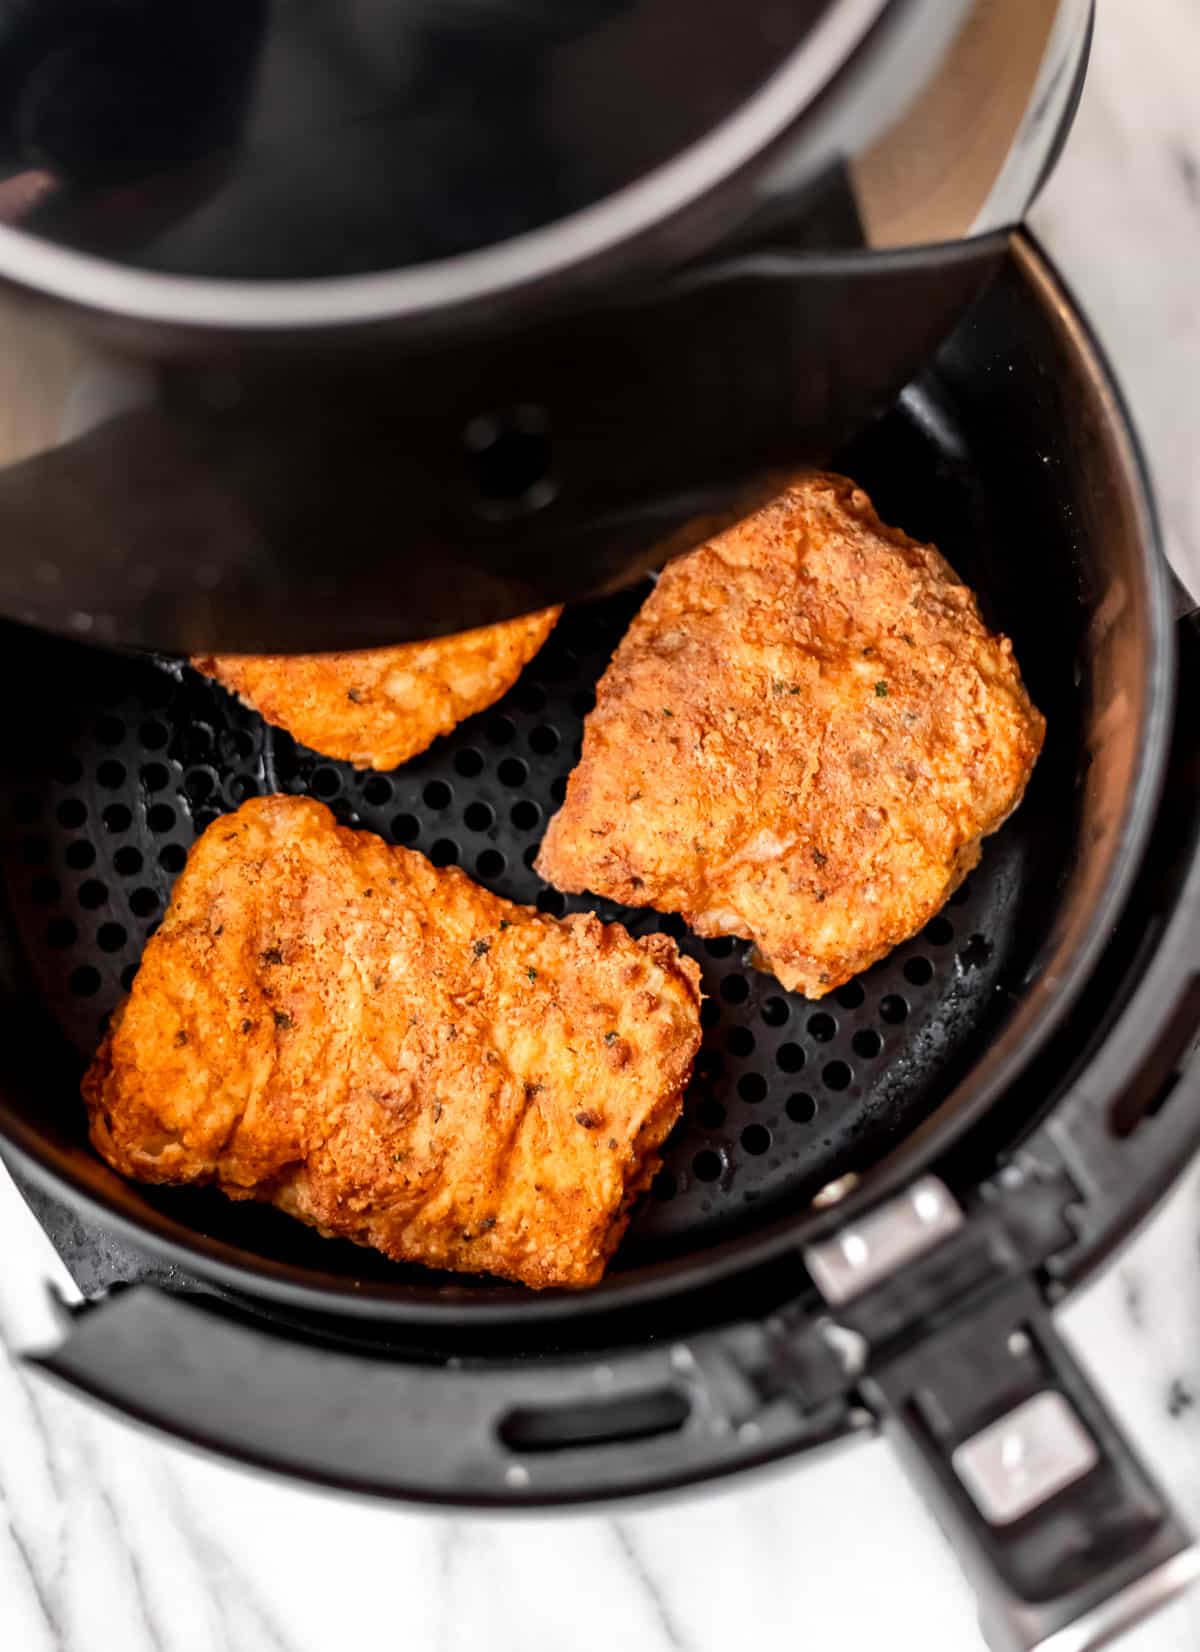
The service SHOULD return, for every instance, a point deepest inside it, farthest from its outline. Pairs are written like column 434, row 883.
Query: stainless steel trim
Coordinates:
column 1148, row 1594
column 1024, row 1458
column 897, row 1232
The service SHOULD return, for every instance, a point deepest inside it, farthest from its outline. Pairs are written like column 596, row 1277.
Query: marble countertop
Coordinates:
column 109, row 1539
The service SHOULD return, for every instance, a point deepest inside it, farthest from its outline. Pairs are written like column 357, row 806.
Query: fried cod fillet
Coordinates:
column 394, row 1055
column 802, row 739
column 379, row 707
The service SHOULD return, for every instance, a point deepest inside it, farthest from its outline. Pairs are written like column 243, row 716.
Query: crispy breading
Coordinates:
column 393, row 1054
column 379, row 707
column 801, row 740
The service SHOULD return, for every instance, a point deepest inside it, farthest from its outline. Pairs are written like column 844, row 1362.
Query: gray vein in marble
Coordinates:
column 1133, row 1296
column 237, row 1601
column 1189, row 171
column 154, row 1633
column 672, row 1632
column 44, row 1603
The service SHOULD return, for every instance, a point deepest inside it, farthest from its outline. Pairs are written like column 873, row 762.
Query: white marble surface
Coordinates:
column 109, row 1540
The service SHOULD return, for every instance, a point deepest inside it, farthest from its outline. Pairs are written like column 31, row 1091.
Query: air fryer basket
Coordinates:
column 1025, row 1046
column 120, row 760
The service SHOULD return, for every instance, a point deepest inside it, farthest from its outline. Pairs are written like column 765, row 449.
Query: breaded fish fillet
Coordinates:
column 802, row 739
column 394, row 1055
column 378, row 708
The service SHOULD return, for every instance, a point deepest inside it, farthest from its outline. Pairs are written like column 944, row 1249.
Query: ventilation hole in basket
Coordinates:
column 35, row 850
column 406, row 828
column 919, row 971
column 531, row 697
column 976, row 952
column 325, row 782
column 478, row 817
column 491, row 864
column 111, row 937
column 202, row 819
column 61, row 933
column 837, row 1076
column 752, row 1087
column 160, row 818
column 153, row 734
column 558, row 788
column 84, row 981
column 127, row 861
column 444, row 852
column 867, row 1043
column 775, row 1012
column 68, row 771
column 512, row 772
column 756, row 1139
column 143, row 902
column 172, row 857
column 530, row 855
column 525, row 815
column 110, row 774
column 437, row 795
column 720, row 946
column 893, row 1008
column 707, row 1166
column 198, row 785
column 543, row 740
column 734, row 989
column 500, row 731
column 92, row 894
column 961, row 895
column 237, row 744
column 45, row 891
column 552, row 901
column 740, row 1043
column 851, row 996
column 710, row 1013
column 673, row 925
column 710, row 1115
column 378, row 792
column 80, row 855
column 801, row 1108
column 822, row 1027
column 25, row 808
column 710, row 1064
column 468, row 762
column 155, row 777
column 110, row 731
column 939, row 932
column 71, row 813
column 242, row 787
column 127, row 976
column 117, row 818
column 789, row 1058
column 664, row 1185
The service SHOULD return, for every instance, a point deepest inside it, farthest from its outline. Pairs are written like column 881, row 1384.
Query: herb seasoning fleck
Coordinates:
column 881, row 691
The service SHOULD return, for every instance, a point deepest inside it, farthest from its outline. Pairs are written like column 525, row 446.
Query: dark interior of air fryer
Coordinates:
column 118, row 762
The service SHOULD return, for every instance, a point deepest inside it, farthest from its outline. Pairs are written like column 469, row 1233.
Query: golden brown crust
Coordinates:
column 802, row 739
column 378, row 708
column 393, row 1054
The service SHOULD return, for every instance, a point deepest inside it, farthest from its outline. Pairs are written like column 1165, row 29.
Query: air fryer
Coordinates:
column 871, row 1205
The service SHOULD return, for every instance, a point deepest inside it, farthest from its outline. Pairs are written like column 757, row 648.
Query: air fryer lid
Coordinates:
column 250, row 139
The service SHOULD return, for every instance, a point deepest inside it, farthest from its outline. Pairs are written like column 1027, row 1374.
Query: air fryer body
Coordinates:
column 274, row 396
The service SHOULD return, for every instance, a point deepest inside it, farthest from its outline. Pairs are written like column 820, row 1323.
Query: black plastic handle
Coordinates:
column 528, row 1432
column 988, row 1413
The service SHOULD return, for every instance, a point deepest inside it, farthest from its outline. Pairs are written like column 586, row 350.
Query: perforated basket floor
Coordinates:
column 121, row 761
